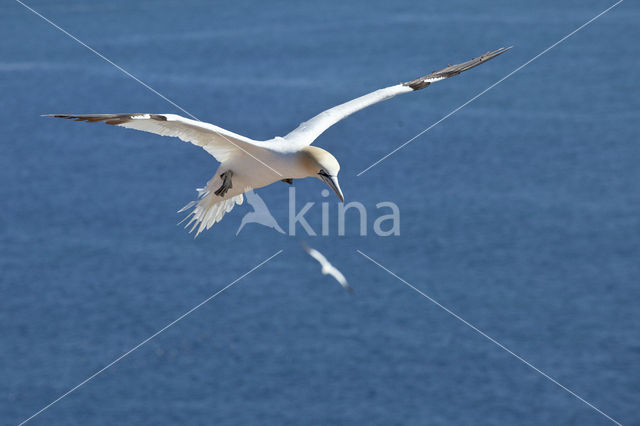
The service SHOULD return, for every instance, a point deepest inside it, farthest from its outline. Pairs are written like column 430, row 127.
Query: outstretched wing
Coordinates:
column 308, row 131
column 335, row 273
column 217, row 141
column 316, row 255
column 328, row 268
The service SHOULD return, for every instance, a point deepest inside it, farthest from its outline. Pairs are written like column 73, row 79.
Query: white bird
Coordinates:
column 250, row 164
column 327, row 267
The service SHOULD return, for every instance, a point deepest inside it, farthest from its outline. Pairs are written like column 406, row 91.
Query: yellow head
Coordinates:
column 321, row 164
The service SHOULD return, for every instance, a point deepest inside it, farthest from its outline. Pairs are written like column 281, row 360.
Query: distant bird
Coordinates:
column 328, row 268
column 260, row 213
column 250, row 164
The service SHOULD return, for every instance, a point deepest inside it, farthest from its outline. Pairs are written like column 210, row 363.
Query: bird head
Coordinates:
column 324, row 166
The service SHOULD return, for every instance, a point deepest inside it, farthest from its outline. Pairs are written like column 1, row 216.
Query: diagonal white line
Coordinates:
column 490, row 87
column 128, row 74
column 491, row 339
column 97, row 373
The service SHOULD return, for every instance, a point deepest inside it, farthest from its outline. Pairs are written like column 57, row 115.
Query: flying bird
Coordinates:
column 250, row 164
column 328, row 268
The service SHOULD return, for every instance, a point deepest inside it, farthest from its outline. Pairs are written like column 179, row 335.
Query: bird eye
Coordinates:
column 323, row 173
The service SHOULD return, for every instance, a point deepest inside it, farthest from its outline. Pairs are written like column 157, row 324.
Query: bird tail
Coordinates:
column 208, row 209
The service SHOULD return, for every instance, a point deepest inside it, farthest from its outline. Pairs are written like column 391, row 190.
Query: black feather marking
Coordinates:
column 451, row 70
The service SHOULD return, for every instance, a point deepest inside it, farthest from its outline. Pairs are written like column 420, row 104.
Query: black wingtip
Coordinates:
column 498, row 52
column 502, row 50
column 490, row 55
column 67, row 116
column 452, row 70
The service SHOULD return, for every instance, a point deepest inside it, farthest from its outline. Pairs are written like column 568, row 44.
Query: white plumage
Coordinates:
column 328, row 268
column 250, row 164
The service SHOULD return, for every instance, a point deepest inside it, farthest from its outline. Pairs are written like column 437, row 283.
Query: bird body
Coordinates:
column 327, row 267
column 248, row 174
column 250, row 164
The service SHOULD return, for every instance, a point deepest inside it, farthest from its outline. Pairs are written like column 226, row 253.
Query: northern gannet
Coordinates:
column 249, row 164
column 327, row 267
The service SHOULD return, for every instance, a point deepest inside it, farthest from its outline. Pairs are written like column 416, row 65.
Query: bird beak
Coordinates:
column 332, row 181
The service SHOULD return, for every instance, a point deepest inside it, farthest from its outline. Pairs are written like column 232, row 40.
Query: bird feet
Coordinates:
column 226, row 183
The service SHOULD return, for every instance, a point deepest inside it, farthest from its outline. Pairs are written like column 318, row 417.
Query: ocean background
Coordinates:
column 520, row 213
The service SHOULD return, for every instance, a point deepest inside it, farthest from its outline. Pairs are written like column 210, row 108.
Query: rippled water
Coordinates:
column 519, row 213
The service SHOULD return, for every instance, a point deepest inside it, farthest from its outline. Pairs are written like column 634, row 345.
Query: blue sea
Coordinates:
column 519, row 214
